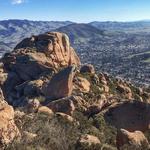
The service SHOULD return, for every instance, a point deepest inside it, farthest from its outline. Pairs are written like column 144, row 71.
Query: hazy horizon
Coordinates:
column 145, row 20
column 80, row 11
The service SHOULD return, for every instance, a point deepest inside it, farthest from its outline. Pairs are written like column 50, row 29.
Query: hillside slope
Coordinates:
column 50, row 101
column 81, row 32
column 13, row 31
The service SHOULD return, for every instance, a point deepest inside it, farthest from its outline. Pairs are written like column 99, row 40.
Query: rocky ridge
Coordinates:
column 59, row 103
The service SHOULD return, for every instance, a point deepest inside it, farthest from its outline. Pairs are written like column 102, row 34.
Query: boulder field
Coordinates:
column 48, row 98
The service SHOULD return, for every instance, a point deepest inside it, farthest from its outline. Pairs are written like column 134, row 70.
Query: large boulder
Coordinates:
column 65, row 105
column 88, row 141
column 133, row 139
column 82, row 84
column 61, row 84
column 65, row 117
column 45, row 110
column 55, row 48
column 8, row 129
column 27, row 65
column 128, row 115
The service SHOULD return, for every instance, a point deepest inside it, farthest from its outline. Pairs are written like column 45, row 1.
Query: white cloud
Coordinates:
column 17, row 2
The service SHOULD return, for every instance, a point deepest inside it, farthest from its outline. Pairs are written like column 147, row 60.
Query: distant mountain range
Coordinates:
column 132, row 27
column 13, row 31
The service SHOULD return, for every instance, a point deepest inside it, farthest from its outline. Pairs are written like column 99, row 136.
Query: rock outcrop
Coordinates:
column 89, row 140
column 65, row 117
column 131, row 116
column 61, row 84
column 53, row 49
column 8, row 129
column 65, row 105
column 82, row 84
column 45, row 110
column 135, row 139
column 32, row 61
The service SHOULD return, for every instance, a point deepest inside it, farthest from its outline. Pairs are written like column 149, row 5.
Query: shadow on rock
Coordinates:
column 131, row 116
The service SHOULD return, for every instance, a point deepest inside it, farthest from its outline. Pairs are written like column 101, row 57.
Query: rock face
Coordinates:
column 131, row 116
column 55, row 46
column 136, row 138
column 34, row 59
column 61, row 84
column 8, row 129
column 27, row 65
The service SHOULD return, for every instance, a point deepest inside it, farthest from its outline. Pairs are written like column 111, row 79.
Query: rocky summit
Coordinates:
column 50, row 101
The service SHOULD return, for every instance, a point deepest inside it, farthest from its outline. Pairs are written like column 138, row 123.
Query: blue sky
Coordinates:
column 75, row 10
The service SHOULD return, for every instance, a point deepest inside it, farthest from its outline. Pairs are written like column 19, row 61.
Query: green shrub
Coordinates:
column 108, row 132
column 52, row 133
